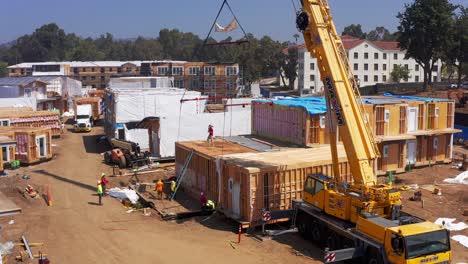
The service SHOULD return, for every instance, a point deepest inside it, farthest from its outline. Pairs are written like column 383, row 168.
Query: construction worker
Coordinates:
column 210, row 205
column 210, row 135
column 202, row 200
column 104, row 183
column 173, row 188
column 159, row 189
column 99, row 192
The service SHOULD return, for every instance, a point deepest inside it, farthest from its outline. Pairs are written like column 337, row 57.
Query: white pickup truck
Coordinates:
column 83, row 115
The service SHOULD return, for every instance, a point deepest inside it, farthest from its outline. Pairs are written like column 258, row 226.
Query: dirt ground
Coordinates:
column 77, row 230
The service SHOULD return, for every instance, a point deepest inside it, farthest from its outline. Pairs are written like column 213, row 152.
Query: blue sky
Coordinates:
column 128, row 19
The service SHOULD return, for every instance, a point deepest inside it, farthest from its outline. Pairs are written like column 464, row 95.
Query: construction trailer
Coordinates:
column 244, row 183
column 33, row 145
column 409, row 131
column 8, row 146
column 156, row 118
column 26, row 117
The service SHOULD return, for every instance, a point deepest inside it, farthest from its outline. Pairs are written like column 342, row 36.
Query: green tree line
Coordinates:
column 258, row 58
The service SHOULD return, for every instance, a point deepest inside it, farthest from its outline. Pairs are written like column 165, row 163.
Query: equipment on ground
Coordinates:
column 126, row 154
column 362, row 219
column 83, row 118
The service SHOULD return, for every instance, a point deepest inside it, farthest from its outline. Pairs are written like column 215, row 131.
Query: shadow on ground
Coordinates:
column 60, row 178
column 92, row 144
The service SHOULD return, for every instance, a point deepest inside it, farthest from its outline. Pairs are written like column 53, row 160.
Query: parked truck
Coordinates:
column 94, row 103
column 362, row 219
column 83, row 118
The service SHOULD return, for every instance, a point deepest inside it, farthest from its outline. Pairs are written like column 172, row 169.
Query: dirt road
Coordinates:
column 76, row 230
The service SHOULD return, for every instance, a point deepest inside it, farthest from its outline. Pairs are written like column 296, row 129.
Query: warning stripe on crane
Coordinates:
column 330, row 257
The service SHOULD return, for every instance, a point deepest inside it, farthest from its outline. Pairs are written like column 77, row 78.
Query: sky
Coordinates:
column 130, row 19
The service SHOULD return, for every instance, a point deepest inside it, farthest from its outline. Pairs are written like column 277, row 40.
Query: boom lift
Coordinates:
column 361, row 219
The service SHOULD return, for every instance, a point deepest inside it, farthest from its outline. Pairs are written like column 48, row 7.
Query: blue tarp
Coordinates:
column 416, row 98
column 313, row 105
column 463, row 134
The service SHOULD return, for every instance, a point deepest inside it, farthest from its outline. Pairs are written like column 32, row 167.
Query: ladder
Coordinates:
column 182, row 173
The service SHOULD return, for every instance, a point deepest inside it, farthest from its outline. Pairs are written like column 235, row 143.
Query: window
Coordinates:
column 210, row 83
column 194, row 84
column 384, row 78
column 231, row 70
column 6, row 153
column 376, row 78
column 312, row 78
column 405, row 79
column 322, row 121
column 356, row 67
column 434, row 79
column 366, row 78
column 179, row 83
column 394, row 66
column 92, row 69
column 416, row 78
column 356, row 55
column 194, row 71
column 406, row 66
column 312, row 66
column 231, row 84
column 103, row 78
column 435, row 68
column 93, row 78
column 4, row 122
column 376, row 67
column 395, row 56
column 356, row 78
column 366, row 66
column 366, row 55
column 83, row 78
column 103, row 69
column 75, row 70
column 416, row 67
column 385, row 151
column 384, row 67
column 83, row 69
column 177, row 70
column 209, row 70
column 162, row 70
column 385, row 56
column 376, row 56
column 27, row 92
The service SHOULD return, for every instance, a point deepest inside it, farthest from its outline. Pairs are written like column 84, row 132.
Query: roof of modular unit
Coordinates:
column 251, row 143
column 313, row 105
column 417, row 98
column 15, row 81
column 219, row 147
column 89, row 63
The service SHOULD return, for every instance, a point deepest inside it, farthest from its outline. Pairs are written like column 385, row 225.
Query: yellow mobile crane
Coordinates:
column 362, row 219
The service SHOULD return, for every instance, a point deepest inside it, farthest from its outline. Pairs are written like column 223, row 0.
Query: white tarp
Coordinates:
column 461, row 239
column 178, row 121
column 450, row 225
column 141, row 82
column 140, row 136
column 19, row 102
column 124, row 193
column 462, row 178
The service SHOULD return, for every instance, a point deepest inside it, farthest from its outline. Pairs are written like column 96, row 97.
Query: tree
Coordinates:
column 289, row 65
column 456, row 56
column 354, row 30
column 424, row 32
column 296, row 37
column 381, row 34
column 399, row 72
column 3, row 69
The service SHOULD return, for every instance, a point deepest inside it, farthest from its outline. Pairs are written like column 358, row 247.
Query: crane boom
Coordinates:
column 325, row 45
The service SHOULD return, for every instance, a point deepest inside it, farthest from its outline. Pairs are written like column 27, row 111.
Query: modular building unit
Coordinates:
column 8, row 147
column 202, row 174
column 271, row 180
column 25, row 117
column 33, row 145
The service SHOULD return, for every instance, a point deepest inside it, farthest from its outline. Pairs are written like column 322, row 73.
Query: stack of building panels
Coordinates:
column 33, row 145
column 25, row 117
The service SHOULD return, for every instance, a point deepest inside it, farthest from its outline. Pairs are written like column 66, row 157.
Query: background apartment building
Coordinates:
column 212, row 79
column 371, row 61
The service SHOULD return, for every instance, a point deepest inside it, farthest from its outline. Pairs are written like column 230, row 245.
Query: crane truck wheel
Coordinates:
column 373, row 256
column 122, row 162
column 317, row 233
column 333, row 241
column 302, row 225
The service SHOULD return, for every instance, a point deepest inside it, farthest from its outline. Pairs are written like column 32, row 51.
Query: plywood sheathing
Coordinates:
column 219, row 147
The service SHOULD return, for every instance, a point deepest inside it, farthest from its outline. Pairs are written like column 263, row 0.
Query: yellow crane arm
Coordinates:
column 324, row 44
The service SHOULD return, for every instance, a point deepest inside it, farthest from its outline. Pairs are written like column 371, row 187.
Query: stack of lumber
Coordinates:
column 25, row 117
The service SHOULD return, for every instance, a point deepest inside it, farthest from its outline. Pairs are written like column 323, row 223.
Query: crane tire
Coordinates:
column 373, row 256
column 122, row 162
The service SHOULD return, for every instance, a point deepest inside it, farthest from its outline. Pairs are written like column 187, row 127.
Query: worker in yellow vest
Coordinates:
column 210, row 205
column 99, row 192
column 173, row 188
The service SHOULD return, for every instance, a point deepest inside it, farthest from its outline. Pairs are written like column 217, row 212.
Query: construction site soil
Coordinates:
column 75, row 229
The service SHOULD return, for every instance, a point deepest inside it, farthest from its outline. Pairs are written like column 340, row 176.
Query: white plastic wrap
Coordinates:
column 17, row 102
column 140, row 136
column 124, row 193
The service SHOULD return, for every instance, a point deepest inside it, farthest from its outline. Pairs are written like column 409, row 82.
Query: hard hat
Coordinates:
column 103, row 174
column 99, row 182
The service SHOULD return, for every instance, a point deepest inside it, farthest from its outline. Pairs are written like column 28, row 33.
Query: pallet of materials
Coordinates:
column 34, row 119
column 33, row 145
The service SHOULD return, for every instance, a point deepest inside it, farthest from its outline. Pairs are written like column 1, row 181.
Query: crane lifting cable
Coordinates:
column 225, row 29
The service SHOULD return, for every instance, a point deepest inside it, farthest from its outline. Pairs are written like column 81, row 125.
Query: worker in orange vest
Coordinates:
column 159, row 189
